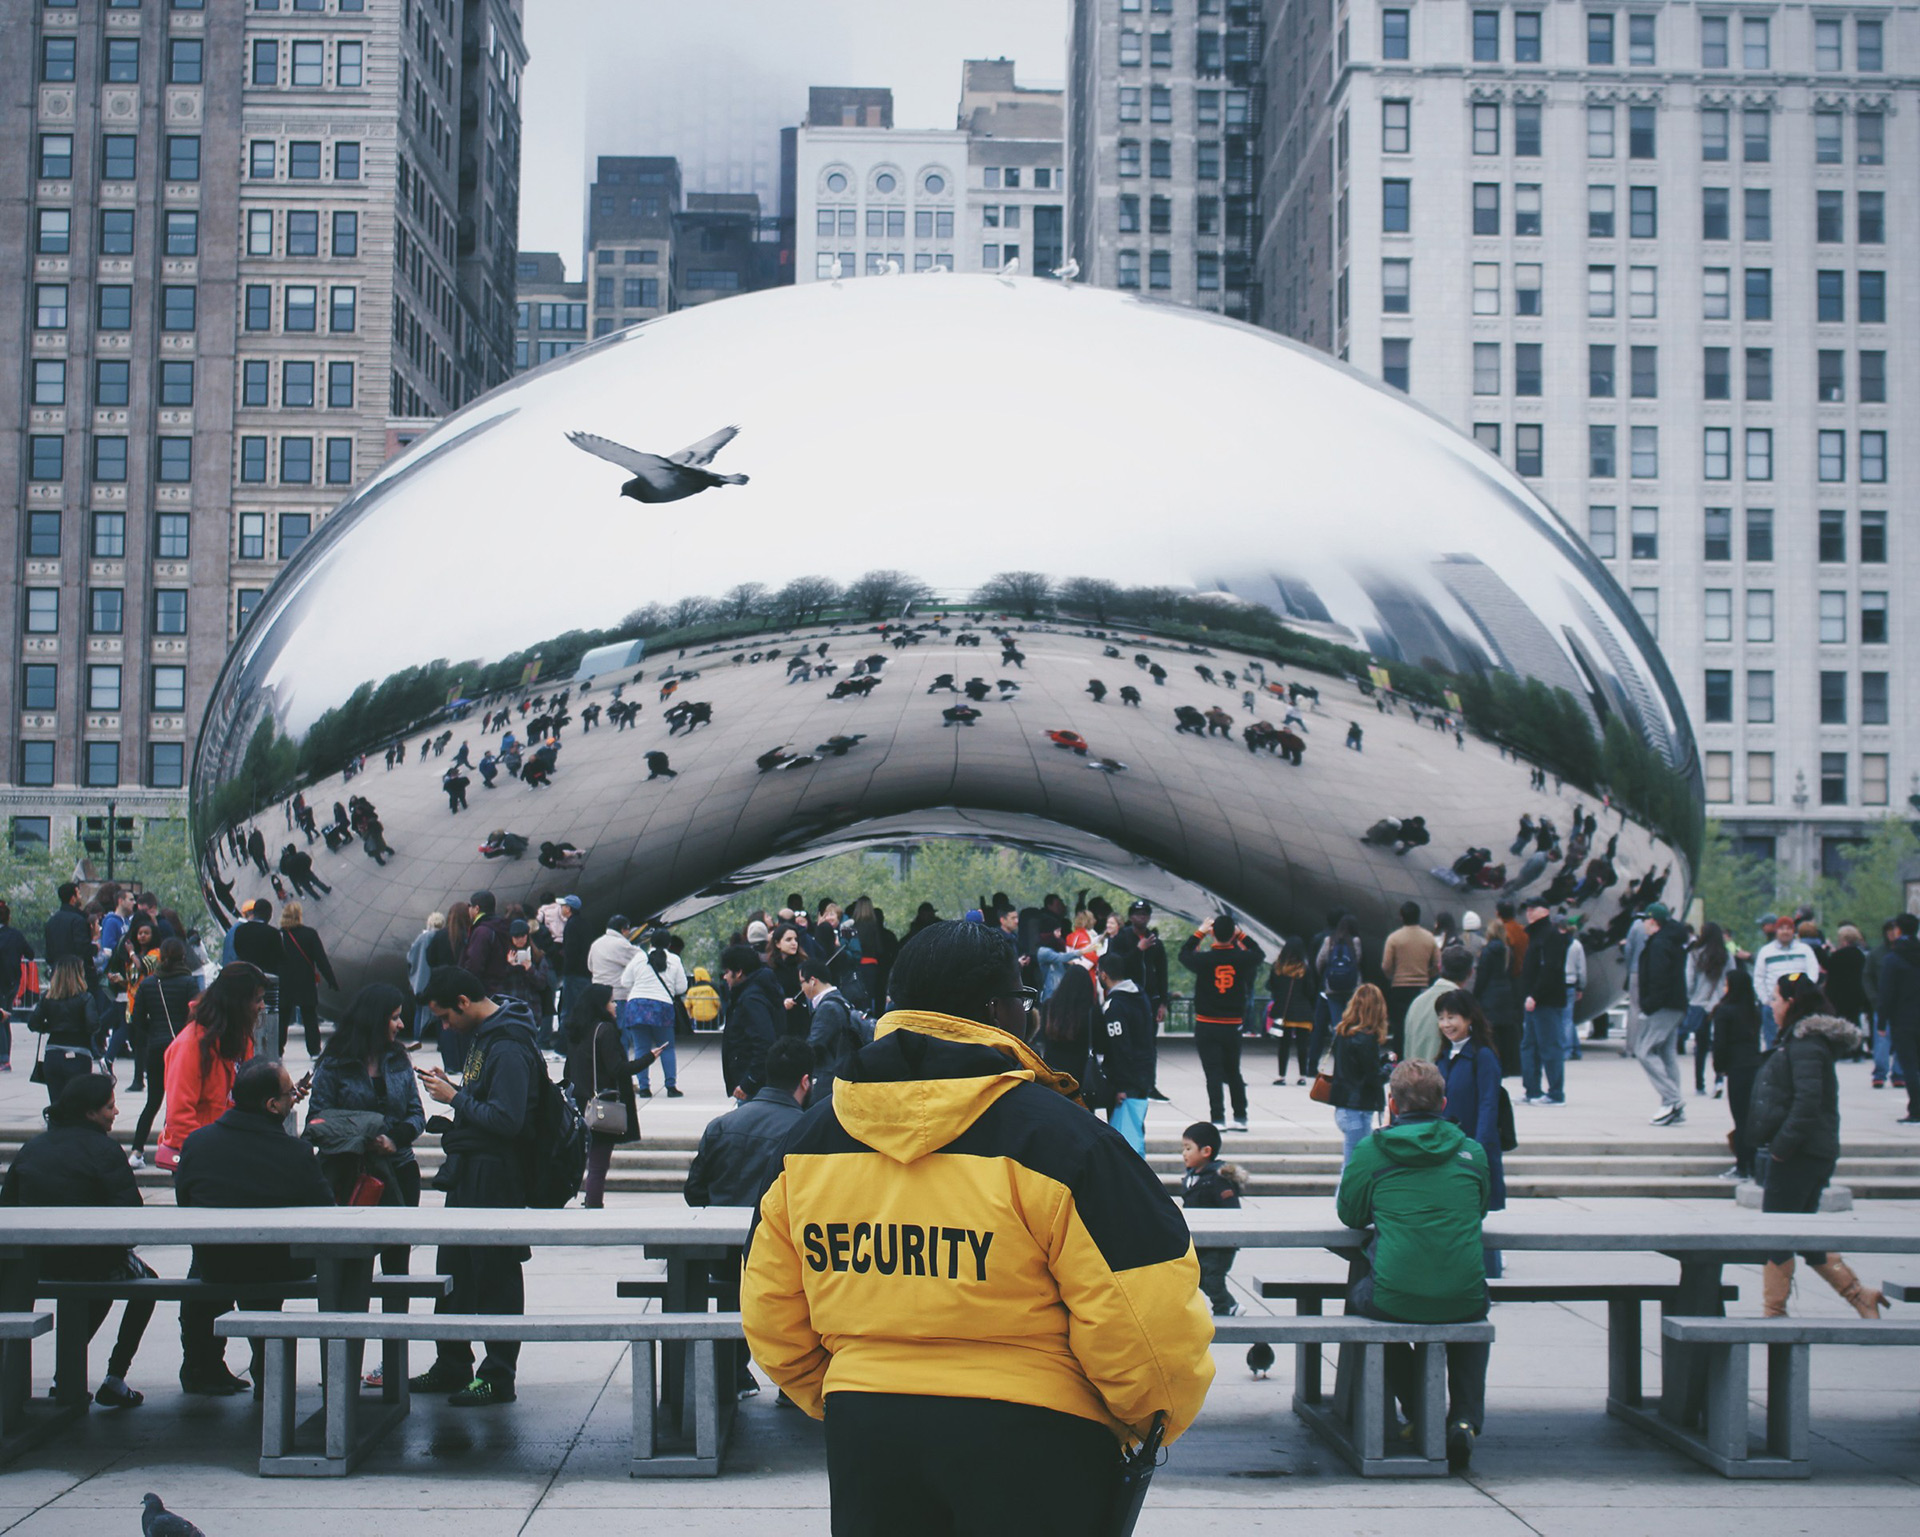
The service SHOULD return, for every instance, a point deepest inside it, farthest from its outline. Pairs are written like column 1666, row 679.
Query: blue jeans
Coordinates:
column 1543, row 1044
column 1129, row 1118
column 644, row 1024
column 1883, row 1064
column 1355, row 1127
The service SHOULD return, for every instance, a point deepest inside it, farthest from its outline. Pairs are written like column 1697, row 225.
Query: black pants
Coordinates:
column 1466, row 1364
column 156, row 1092
column 60, row 1064
column 1739, row 1099
column 965, row 1467
column 1298, row 1041
column 264, row 1264
column 1905, row 1041
column 137, row 1314
column 485, row 1280
column 1220, row 1060
column 1794, row 1186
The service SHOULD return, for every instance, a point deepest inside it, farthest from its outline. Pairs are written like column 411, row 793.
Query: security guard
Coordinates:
column 979, row 1286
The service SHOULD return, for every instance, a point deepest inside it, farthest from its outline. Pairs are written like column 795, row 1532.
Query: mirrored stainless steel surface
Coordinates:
column 1221, row 514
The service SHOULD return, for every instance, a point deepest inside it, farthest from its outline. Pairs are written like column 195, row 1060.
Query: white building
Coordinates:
column 1654, row 257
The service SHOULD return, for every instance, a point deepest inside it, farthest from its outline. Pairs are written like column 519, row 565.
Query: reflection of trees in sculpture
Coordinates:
column 1546, row 725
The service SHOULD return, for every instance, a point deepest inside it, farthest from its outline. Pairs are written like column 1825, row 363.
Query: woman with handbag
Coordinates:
column 1292, row 992
column 204, row 1057
column 303, row 966
column 601, row 1079
column 1796, row 1113
column 64, row 1016
column 365, row 1067
column 159, row 1015
column 1360, row 1060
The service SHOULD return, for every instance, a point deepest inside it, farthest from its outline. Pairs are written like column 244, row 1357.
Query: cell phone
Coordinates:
column 306, row 1081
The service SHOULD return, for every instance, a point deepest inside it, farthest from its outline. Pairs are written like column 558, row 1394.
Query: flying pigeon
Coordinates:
column 1069, row 271
column 158, row 1521
column 663, row 480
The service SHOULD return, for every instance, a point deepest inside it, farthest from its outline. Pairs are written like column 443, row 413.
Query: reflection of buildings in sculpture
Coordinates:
column 1626, row 685
column 1298, row 600
column 1520, row 643
column 1408, row 628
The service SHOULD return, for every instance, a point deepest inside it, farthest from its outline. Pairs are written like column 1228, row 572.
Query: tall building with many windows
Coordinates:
column 550, row 319
column 257, row 239
column 1656, row 259
column 1163, row 130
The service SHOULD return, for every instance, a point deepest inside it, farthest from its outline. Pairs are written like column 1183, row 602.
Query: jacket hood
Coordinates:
column 1420, row 1144
column 928, row 1077
column 512, row 1015
column 1906, row 949
column 1841, row 1036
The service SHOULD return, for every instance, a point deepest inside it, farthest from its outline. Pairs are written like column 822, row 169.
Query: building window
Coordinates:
column 39, row 686
column 1643, row 461
column 50, row 306
column 1827, row 146
column 1759, row 453
column 346, row 234
column 56, row 156
column 303, row 160
column 1600, row 213
column 253, row 536
column 1759, row 614
column 1642, row 133
column 1756, row 135
column 1833, row 618
column 1717, row 460
column 166, row 765
column 300, row 308
column 339, row 461
column 1871, row 218
column 1603, row 532
column 43, row 535
column 1643, row 293
column 1716, row 614
column 1600, row 371
column 105, row 610
column 119, row 156
column 1206, row 160
column 1645, row 533
column 1600, row 294
column 1526, row 130
column 43, row 610
column 1486, row 37
column 1396, row 127
column 1717, row 373
column 309, row 64
column 1643, row 213
column 1396, row 206
column 169, row 689
column 1833, row 698
column 1527, row 368
column 1645, row 372
column 253, row 460
column 348, row 68
column 1127, row 269
column 1760, row 534
column 1160, row 269
column 170, row 611
column 1756, row 49
column 1873, row 376
column 1129, row 47
column 1396, row 362
column 1600, row 133
column 1486, row 208
column 103, row 687
column 1526, row 37
column 1487, row 435
column 1129, row 157
column 1646, row 603
column 1873, row 457
column 1832, row 456
column 1829, row 217
column 1714, row 132
column 1160, row 158
column 1873, row 619
column 1486, row 128
column 1874, row 699
column 182, row 234
column 294, row 529
column 183, row 157
column 1601, row 452
column 1759, row 373
column 110, row 460
column 1832, row 543
column 57, row 56
column 1526, row 208
column 1528, row 455
column 1718, row 701
column 114, row 306
column 102, row 765
column 46, row 458
column 116, row 232
column 1873, row 538
column 1486, row 288
column 1873, row 298
column 170, row 536
column 1833, row 779
column 296, row 461
column 1870, row 138
column 1599, row 37
column 1394, row 35
column 1527, row 289
column 53, row 232
column 1396, row 285
column 1486, row 368
column 1129, row 214
column 177, row 307
column 36, row 769
column 173, row 463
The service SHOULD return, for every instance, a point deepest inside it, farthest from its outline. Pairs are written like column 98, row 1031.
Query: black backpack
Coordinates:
column 557, row 1148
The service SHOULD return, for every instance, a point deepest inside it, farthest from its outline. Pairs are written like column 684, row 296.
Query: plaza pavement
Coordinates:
column 554, row 1463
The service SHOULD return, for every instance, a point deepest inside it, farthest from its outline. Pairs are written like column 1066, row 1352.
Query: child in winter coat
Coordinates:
column 1210, row 1185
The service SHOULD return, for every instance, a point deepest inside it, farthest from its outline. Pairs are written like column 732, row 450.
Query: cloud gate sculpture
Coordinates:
column 1164, row 596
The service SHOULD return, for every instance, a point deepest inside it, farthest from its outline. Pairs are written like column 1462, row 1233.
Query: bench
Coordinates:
column 72, row 1300
column 711, row 1410
column 17, row 1332
column 1624, row 1301
column 1899, row 1291
column 1359, row 1422
column 652, row 1286
column 1725, row 1444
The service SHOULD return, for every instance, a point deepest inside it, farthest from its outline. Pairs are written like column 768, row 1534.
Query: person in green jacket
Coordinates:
column 1421, row 1183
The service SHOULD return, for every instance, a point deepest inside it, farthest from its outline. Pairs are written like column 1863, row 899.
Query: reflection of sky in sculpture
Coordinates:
column 938, row 424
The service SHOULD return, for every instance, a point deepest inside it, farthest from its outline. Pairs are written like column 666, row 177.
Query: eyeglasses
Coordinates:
column 1026, row 997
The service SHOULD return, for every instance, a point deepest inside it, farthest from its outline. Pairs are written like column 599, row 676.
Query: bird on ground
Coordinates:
column 657, row 479
column 1068, row 270
column 1260, row 1358
column 157, row 1521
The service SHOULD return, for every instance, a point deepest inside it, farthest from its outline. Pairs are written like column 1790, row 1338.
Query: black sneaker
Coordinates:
column 675, row 1094
column 438, row 1379
column 215, row 1383
column 115, row 1394
column 643, row 1092
column 1155, row 1094
column 1459, row 1446
column 482, row 1393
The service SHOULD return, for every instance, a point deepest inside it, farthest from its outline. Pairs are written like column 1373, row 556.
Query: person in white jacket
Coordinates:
column 608, row 955
column 652, row 982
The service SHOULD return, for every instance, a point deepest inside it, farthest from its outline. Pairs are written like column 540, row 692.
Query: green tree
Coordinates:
column 1734, row 889
column 1871, row 888
column 1027, row 593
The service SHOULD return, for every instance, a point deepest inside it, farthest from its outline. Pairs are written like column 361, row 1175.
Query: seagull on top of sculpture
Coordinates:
column 1067, row 271
column 657, row 479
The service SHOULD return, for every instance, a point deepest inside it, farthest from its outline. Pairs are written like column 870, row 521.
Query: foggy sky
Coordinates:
column 716, row 81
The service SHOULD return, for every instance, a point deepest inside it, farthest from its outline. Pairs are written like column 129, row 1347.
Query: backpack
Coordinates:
column 557, row 1157
column 1343, row 971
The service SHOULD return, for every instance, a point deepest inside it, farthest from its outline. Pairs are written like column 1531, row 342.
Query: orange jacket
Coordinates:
column 196, row 1097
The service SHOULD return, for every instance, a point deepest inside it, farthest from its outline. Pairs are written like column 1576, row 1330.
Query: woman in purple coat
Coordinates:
column 1471, row 1066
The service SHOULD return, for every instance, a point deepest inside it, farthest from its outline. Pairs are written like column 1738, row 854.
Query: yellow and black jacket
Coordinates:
column 951, row 1223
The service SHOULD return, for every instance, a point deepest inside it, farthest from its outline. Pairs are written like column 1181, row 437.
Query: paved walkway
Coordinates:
column 1551, row 1462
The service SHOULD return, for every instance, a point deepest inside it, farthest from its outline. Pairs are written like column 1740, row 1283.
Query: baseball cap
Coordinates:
column 1658, row 911
column 1139, row 907
column 518, row 928
column 573, row 902
column 1769, row 920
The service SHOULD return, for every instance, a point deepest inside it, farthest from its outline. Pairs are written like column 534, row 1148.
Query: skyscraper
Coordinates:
column 1651, row 258
column 259, row 239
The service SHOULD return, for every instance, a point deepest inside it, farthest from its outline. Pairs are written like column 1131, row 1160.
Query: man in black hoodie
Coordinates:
column 488, row 1148
column 243, row 1159
column 1543, row 984
column 1663, row 1007
column 1900, row 1002
column 1224, row 976
column 756, row 1018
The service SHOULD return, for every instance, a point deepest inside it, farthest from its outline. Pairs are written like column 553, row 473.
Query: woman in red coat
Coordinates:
column 202, row 1061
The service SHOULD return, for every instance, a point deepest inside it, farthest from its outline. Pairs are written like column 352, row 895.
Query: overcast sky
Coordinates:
column 713, row 83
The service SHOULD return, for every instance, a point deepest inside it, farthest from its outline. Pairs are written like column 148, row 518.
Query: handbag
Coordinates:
column 367, row 1191
column 605, row 1114
column 165, row 1157
column 1321, row 1093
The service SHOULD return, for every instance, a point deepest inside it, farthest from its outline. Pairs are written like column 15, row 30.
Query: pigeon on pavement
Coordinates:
column 158, row 1521
column 657, row 479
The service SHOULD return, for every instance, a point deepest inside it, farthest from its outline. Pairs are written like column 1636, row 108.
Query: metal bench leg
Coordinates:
column 1789, row 1379
column 1430, row 1433
column 71, row 1318
column 1625, row 1364
column 277, row 1400
column 1726, row 1436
